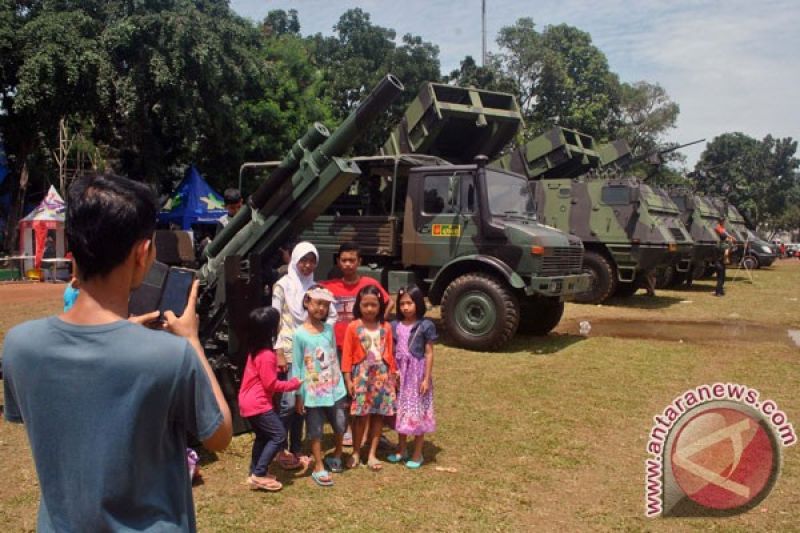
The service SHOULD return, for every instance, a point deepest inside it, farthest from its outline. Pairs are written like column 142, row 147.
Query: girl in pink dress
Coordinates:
column 414, row 335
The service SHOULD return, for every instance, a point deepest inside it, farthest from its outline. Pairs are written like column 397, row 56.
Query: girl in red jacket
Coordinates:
column 259, row 383
column 369, row 371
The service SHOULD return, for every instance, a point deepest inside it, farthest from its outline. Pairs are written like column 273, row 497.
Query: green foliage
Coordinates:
column 759, row 177
column 489, row 77
column 358, row 56
column 645, row 113
column 561, row 78
column 279, row 22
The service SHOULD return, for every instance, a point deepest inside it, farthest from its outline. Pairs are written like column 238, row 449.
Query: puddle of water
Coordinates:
column 683, row 331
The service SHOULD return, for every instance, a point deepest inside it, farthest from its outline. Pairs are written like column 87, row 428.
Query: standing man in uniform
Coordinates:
column 725, row 240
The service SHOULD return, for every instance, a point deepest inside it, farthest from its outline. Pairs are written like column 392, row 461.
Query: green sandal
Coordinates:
column 413, row 465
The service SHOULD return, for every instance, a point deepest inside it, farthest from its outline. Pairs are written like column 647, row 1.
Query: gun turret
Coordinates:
column 557, row 153
column 308, row 179
column 455, row 123
column 619, row 153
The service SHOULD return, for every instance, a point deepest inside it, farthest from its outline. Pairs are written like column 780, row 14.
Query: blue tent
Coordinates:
column 193, row 202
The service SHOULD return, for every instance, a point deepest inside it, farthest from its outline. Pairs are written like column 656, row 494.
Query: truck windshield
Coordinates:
column 508, row 195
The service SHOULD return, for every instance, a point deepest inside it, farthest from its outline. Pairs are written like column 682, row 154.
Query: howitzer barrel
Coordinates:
column 315, row 135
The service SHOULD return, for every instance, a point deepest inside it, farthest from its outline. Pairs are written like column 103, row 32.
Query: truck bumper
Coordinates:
column 558, row 286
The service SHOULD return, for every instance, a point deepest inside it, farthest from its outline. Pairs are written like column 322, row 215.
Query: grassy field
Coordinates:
column 549, row 435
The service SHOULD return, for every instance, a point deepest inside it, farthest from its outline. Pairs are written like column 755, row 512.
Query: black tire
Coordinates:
column 540, row 315
column 604, row 279
column 626, row 289
column 750, row 262
column 479, row 312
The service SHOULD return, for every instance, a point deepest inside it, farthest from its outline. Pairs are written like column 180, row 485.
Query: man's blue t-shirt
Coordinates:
column 107, row 409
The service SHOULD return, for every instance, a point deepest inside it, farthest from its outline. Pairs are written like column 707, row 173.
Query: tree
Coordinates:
column 358, row 56
column 561, row 78
column 759, row 177
column 489, row 77
column 278, row 22
column 645, row 113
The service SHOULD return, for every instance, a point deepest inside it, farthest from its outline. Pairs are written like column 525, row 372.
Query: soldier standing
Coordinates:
column 721, row 258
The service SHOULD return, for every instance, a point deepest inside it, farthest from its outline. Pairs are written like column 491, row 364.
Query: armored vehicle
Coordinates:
column 627, row 227
column 700, row 217
column 750, row 250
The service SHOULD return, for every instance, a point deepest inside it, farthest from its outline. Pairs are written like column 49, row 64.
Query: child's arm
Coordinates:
column 268, row 373
column 298, row 371
column 347, row 359
column 283, row 329
column 425, row 384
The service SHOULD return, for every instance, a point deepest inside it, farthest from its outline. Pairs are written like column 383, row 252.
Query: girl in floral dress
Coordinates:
column 414, row 336
column 369, row 372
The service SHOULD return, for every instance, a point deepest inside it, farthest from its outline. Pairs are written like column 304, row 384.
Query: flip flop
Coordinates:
column 413, row 465
column 397, row 458
column 334, row 464
column 322, row 478
column 375, row 465
column 270, row 485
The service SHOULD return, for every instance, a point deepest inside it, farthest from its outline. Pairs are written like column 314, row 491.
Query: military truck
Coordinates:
column 467, row 235
column 426, row 210
column 627, row 227
column 700, row 217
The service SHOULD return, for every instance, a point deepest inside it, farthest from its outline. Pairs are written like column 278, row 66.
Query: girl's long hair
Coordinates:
column 370, row 289
column 262, row 328
column 415, row 293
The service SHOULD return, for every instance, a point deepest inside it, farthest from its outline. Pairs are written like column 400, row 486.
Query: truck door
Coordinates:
column 445, row 226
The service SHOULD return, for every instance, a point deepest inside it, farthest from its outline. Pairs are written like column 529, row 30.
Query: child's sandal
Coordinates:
column 397, row 458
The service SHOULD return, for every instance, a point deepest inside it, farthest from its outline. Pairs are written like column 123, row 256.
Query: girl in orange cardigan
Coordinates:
column 369, row 372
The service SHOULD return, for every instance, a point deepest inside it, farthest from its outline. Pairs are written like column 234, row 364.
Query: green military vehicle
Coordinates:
column 700, row 217
column 627, row 227
column 750, row 250
column 427, row 210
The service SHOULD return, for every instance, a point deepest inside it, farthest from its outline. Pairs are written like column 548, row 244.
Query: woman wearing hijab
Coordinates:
column 287, row 297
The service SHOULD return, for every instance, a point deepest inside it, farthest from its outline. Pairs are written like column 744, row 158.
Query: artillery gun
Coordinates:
column 627, row 227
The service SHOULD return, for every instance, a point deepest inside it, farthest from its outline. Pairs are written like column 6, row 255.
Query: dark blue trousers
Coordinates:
column 270, row 438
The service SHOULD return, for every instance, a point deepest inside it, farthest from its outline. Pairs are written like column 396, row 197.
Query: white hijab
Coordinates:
column 295, row 284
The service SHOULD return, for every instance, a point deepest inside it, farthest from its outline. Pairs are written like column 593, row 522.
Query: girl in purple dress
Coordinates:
column 414, row 336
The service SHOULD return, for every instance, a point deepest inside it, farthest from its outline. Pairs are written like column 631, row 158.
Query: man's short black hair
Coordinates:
column 106, row 216
column 232, row 196
column 349, row 247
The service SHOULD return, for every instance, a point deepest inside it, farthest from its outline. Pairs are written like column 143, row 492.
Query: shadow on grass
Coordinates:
column 542, row 345
column 643, row 301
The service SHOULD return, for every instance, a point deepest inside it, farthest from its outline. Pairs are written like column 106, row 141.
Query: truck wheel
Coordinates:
column 604, row 279
column 540, row 315
column 750, row 262
column 626, row 289
column 479, row 312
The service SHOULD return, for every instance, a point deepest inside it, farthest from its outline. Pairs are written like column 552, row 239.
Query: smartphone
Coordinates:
column 177, row 287
column 147, row 296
